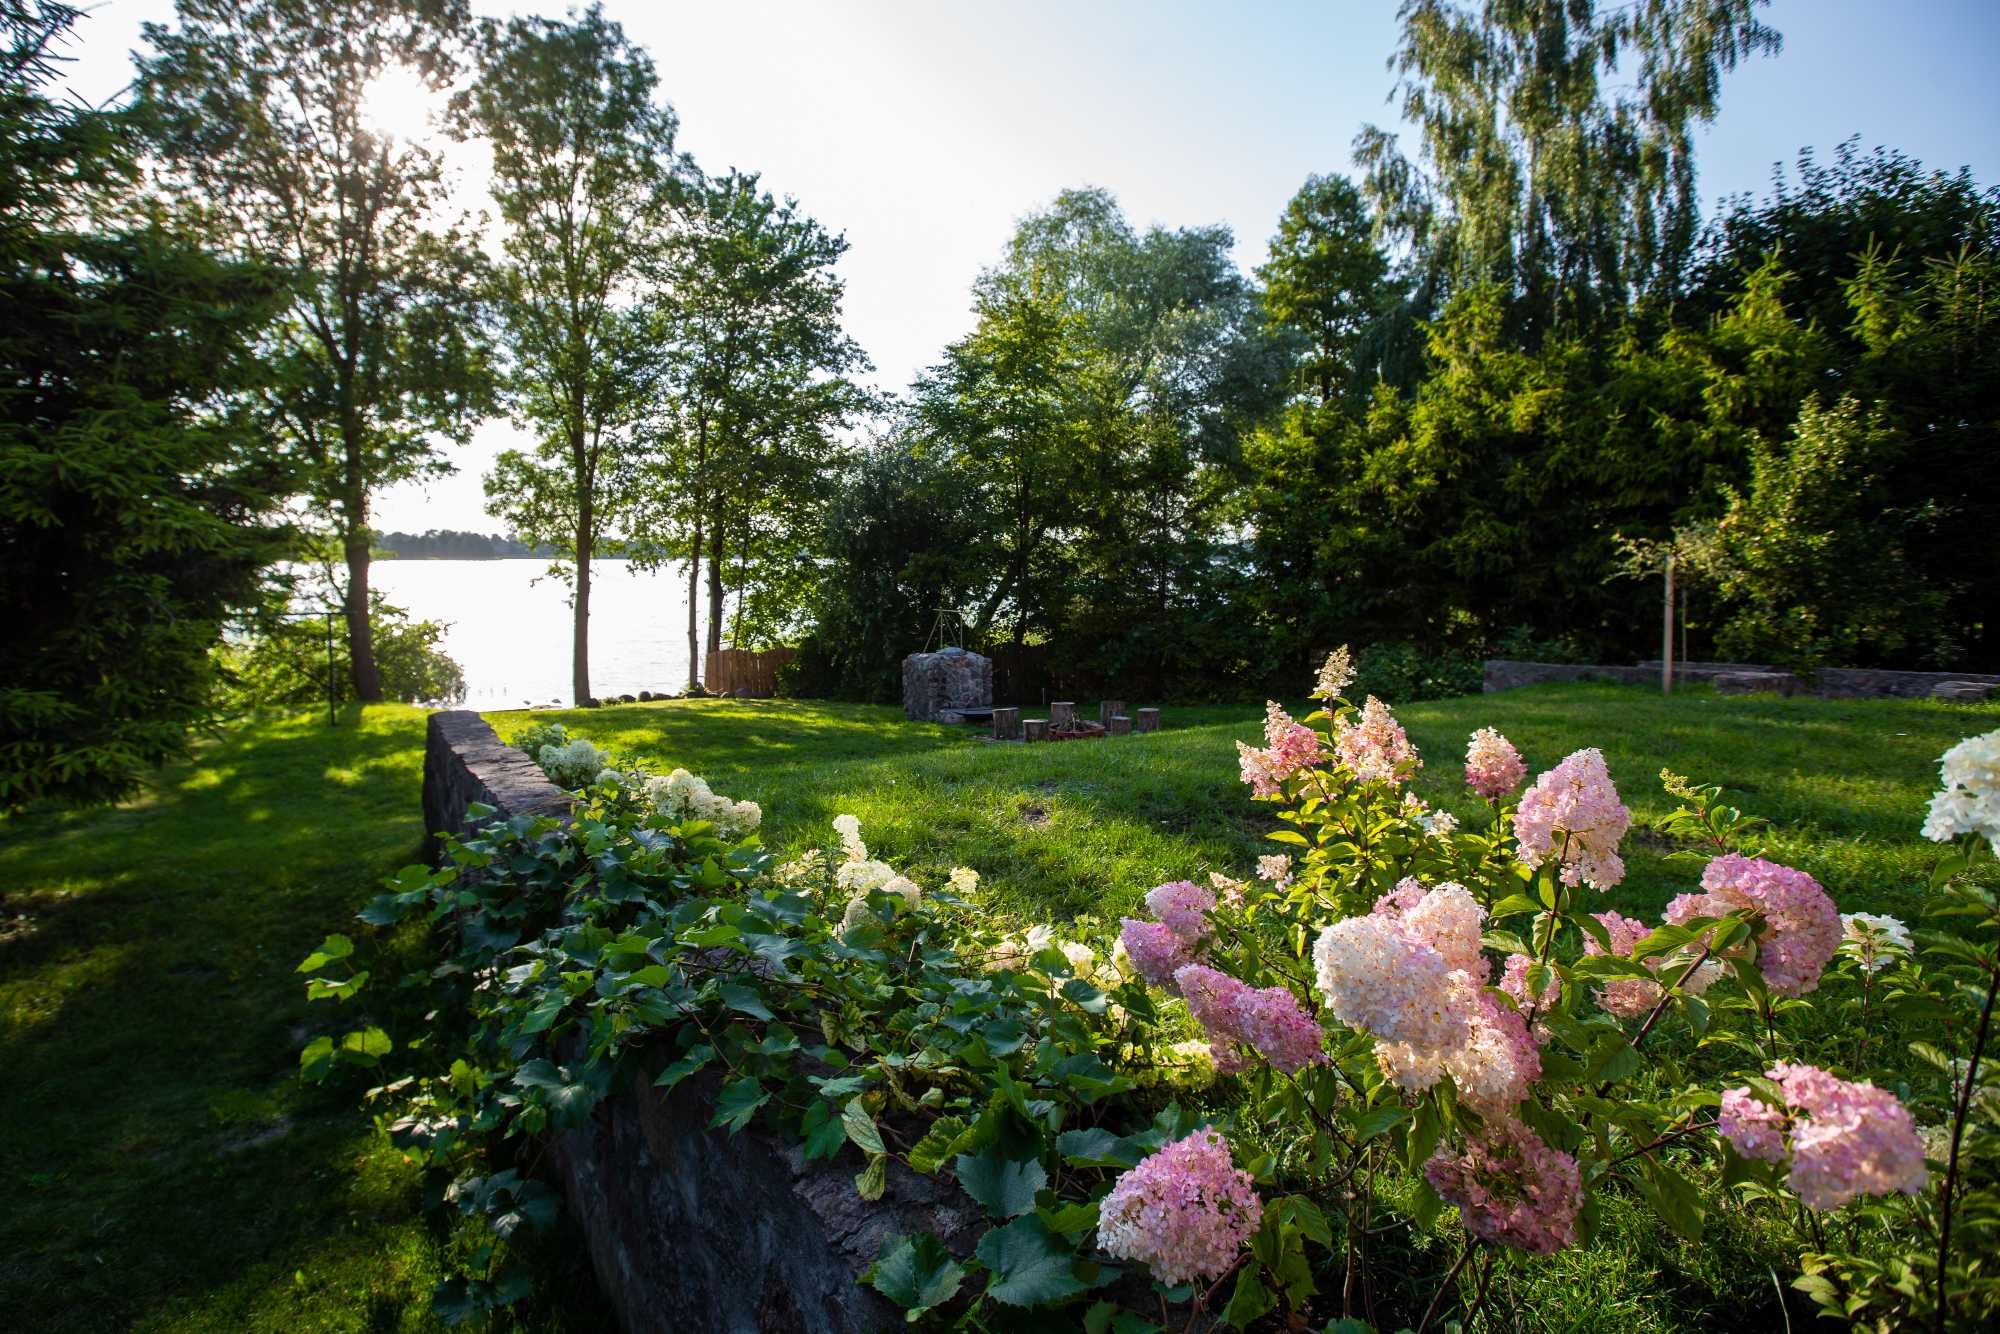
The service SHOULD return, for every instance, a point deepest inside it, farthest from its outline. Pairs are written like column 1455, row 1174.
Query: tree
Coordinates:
column 1327, row 280
column 1573, row 198
column 1098, row 406
column 757, row 368
column 137, row 499
column 585, row 178
column 259, row 106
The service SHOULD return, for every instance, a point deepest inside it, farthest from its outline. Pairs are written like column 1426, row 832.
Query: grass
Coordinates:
column 163, row 1168
column 1087, row 827
column 161, row 1164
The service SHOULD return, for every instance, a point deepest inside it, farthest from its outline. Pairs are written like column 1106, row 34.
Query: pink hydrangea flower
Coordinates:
column 1184, row 1212
column 1626, row 997
column 1183, row 907
column 1511, row 1188
column 1514, row 981
column 1375, row 747
column 1381, row 978
column 1801, row 927
column 1448, row 918
column 1844, row 1139
column 1631, row 997
column 1270, row 1020
column 1156, row 951
column 1573, row 813
column 1753, row 1126
column 1493, row 768
column 1290, row 748
column 1491, row 1069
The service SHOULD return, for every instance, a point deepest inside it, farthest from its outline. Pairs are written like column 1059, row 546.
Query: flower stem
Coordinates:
column 1958, row 1134
column 1450, row 1280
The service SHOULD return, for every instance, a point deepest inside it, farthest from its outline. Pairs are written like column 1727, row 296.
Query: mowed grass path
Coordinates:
column 161, row 1166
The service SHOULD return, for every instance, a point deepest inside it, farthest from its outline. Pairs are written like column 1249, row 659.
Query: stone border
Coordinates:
column 465, row 761
column 689, row 1228
column 1828, row 683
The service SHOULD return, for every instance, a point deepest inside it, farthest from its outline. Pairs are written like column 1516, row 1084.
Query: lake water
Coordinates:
column 509, row 625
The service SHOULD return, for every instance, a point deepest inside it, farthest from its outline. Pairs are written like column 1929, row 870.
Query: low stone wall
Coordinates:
column 1829, row 683
column 466, row 762
column 690, row 1228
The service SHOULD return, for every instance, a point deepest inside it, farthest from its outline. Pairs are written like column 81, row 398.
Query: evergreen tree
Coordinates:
column 138, row 500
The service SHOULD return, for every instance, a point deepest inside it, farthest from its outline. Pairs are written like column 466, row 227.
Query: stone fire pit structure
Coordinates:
column 947, row 686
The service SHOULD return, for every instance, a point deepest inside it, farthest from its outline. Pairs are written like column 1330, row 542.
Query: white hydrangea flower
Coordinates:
column 1872, row 939
column 1968, row 801
column 573, row 764
column 858, row 878
column 964, row 880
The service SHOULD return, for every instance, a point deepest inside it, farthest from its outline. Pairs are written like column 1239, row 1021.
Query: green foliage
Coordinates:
column 584, row 176
column 1815, row 558
column 255, row 109
column 283, row 661
column 756, row 393
column 1557, row 146
column 138, row 499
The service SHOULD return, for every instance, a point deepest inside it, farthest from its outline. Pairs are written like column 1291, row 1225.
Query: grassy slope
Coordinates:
column 150, row 1018
column 161, row 1164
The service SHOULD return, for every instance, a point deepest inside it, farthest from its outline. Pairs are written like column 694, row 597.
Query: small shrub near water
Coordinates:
column 1231, row 1105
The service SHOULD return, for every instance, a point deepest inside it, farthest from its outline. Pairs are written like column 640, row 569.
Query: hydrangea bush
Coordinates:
column 1214, row 1115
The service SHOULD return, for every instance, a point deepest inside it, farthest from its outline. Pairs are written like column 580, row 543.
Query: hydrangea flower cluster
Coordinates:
column 1269, row 1021
column 1801, row 927
column 964, row 880
column 1374, row 746
column 1161, row 949
column 1573, row 813
column 1514, row 981
column 682, row 796
column 1335, row 674
column 1289, row 748
column 573, row 763
column 1434, row 823
column 1276, row 868
column 1968, row 801
column 1493, row 768
column 1410, row 972
column 1873, row 940
column 1844, row 1139
column 1511, row 1188
column 1184, row 1212
column 1630, row 997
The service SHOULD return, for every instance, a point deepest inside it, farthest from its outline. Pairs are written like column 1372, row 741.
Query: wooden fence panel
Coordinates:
column 732, row 671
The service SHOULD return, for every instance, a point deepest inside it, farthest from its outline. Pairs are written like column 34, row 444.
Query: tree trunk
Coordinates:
column 694, row 607
column 715, row 558
column 579, row 661
column 360, row 631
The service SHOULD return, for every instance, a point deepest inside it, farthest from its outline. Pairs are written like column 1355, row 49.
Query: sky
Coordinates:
column 924, row 131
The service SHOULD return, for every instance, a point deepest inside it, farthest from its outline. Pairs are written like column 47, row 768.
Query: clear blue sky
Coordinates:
column 924, row 131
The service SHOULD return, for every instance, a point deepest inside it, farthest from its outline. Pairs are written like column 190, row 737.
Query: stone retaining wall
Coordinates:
column 690, row 1228
column 1829, row 683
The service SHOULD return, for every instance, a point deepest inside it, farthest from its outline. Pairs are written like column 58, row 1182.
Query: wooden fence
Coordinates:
column 733, row 671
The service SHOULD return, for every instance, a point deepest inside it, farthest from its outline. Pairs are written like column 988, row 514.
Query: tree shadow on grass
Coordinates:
column 154, row 1136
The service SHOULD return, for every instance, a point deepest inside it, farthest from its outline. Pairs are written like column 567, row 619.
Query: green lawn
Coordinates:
column 163, row 1168
column 1089, row 826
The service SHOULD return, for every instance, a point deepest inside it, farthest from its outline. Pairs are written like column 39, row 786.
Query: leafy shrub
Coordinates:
column 283, row 662
column 840, row 1003
column 1402, row 674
